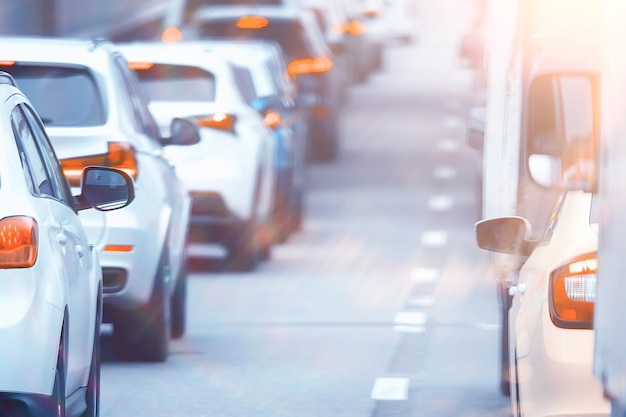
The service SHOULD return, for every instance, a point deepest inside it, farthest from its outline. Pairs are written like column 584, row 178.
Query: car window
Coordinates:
column 36, row 167
column 63, row 96
column 138, row 100
column 177, row 82
column 245, row 83
column 289, row 34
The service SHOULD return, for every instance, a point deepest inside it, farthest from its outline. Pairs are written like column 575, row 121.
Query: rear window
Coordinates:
column 164, row 82
column 62, row 96
column 289, row 34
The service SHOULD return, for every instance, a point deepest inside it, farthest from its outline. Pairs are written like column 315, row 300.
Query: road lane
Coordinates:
column 382, row 305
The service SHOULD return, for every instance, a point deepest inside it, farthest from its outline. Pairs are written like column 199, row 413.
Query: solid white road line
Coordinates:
column 386, row 389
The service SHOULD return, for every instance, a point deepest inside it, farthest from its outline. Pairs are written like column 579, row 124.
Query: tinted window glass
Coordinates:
column 63, row 96
column 177, row 82
column 288, row 34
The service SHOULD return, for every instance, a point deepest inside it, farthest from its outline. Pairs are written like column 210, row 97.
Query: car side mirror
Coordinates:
column 105, row 189
column 475, row 134
column 563, row 131
column 182, row 132
column 504, row 235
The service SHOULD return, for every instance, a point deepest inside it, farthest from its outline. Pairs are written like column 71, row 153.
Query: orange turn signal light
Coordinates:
column 318, row 64
column 120, row 155
column 6, row 63
column 252, row 22
column 118, row 248
column 356, row 28
column 18, row 242
column 219, row 120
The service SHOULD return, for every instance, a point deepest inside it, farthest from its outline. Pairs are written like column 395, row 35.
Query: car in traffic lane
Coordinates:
column 550, row 321
column 50, row 276
column 309, row 59
column 229, row 173
column 95, row 113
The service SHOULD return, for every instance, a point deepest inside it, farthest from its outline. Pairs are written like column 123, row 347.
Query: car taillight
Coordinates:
column 271, row 119
column 18, row 242
column 252, row 22
column 171, row 35
column 120, row 155
column 573, row 290
column 219, row 120
column 140, row 65
column 318, row 64
column 356, row 28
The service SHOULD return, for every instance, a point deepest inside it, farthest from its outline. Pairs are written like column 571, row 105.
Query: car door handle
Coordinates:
column 62, row 239
column 80, row 251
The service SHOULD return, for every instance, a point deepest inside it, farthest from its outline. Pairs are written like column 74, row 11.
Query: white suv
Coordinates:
column 50, row 276
column 95, row 114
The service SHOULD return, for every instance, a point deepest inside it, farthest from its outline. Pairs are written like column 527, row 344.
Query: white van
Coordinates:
column 542, row 99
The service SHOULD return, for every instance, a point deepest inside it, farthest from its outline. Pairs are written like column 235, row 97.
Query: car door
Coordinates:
column 66, row 235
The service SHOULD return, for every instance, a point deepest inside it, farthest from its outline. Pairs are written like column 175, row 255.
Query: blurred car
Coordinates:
column 274, row 95
column 387, row 23
column 550, row 321
column 230, row 171
column 50, row 276
column 310, row 61
column 95, row 113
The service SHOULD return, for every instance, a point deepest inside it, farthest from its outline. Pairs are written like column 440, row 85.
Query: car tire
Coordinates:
column 143, row 334
column 57, row 400
column 179, row 302
column 93, row 383
column 505, row 305
column 245, row 253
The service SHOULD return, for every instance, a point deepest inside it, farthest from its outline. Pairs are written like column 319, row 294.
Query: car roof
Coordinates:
column 49, row 49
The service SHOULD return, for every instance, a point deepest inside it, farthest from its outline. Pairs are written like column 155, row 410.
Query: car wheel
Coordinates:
column 93, row 383
column 143, row 334
column 179, row 302
column 57, row 400
column 505, row 305
column 245, row 253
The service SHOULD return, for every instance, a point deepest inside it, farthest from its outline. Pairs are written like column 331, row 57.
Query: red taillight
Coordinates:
column 18, row 242
column 120, row 155
column 220, row 121
column 310, row 65
column 171, row 35
column 271, row 119
column 573, row 290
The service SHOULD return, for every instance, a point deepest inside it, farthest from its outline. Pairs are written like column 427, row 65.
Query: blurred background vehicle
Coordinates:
column 230, row 172
column 51, row 297
column 272, row 92
column 310, row 61
column 107, row 122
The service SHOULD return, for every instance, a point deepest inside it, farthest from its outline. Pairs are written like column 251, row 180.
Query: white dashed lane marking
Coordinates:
column 386, row 389
column 426, row 275
column 445, row 173
column 440, row 203
column 434, row 239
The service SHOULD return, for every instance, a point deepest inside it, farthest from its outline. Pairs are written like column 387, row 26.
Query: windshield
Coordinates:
column 163, row 82
column 43, row 85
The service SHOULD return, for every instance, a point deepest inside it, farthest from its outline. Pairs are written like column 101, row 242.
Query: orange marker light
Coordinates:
column 310, row 65
column 18, row 242
column 6, row 63
column 171, row 35
column 271, row 119
column 118, row 248
column 140, row 66
column 252, row 22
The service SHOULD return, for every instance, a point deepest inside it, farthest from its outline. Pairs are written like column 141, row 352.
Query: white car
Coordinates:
column 550, row 324
column 50, row 277
column 230, row 172
column 96, row 114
